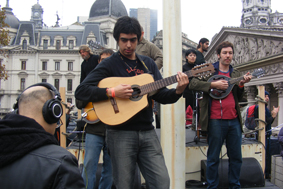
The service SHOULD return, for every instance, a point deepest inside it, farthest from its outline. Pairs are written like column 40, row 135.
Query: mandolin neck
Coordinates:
column 236, row 80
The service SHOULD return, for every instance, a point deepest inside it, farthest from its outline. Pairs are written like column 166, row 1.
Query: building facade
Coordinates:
column 258, row 14
column 38, row 53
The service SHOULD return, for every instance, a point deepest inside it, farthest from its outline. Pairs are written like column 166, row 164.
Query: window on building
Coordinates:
column 57, row 65
column 56, row 83
column 23, row 82
column 25, row 44
column 23, row 67
column 70, row 66
column 71, row 44
column 44, row 65
column 44, row 80
column 58, row 44
column 70, row 84
column 70, row 100
column 45, row 44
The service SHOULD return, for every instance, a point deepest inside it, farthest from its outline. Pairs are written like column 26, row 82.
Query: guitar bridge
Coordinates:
column 114, row 104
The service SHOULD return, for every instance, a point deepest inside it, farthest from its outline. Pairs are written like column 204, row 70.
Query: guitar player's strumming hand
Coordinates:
column 220, row 84
column 246, row 79
column 183, row 82
column 121, row 91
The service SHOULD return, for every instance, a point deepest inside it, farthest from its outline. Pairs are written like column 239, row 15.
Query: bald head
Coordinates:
column 33, row 99
column 31, row 103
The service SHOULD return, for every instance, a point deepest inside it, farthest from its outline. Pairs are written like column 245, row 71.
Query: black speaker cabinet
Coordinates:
column 251, row 173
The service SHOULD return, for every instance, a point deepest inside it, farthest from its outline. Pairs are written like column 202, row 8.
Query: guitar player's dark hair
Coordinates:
column 224, row 44
column 127, row 25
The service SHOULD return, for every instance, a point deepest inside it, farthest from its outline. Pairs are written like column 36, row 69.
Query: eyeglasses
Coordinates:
column 132, row 40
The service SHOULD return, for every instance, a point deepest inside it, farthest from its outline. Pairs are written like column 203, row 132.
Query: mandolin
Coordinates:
column 220, row 94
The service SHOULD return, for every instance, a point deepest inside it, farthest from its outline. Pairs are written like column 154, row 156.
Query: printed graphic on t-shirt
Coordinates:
column 135, row 70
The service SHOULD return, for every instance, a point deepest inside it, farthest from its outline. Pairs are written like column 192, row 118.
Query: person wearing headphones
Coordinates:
column 29, row 153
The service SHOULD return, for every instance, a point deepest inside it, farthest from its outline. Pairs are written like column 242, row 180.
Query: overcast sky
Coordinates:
column 200, row 18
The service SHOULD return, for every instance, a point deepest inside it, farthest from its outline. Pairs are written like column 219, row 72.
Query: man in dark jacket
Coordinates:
column 222, row 118
column 201, row 48
column 89, row 63
column 29, row 153
column 134, row 141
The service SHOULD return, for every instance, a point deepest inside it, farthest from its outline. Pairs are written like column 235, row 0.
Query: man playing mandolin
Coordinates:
column 134, row 141
column 221, row 117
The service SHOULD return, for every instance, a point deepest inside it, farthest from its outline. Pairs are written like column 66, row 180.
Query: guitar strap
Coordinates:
column 148, row 71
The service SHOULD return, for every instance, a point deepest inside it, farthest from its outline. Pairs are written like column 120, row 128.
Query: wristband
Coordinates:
column 112, row 92
column 241, row 86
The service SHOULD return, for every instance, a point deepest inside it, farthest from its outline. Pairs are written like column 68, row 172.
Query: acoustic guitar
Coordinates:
column 115, row 111
column 220, row 94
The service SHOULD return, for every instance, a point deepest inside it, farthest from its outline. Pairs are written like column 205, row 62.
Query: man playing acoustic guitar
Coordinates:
column 222, row 117
column 134, row 141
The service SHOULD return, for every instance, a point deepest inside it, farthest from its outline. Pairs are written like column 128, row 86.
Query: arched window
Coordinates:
column 25, row 44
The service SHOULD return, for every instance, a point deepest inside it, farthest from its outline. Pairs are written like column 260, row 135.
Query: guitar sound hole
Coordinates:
column 136, row 94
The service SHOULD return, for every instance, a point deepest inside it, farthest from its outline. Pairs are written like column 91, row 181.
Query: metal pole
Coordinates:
column 261, row 134
column 173, row 116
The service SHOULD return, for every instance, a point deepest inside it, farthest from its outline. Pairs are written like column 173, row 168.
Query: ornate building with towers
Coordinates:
column 258, row 14
column 40, row 53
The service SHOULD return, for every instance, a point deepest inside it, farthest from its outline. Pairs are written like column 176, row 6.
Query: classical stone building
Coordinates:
column 38, row 53
column 258, row 14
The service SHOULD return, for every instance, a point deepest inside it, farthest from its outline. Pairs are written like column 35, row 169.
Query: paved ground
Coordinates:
column 268, row 185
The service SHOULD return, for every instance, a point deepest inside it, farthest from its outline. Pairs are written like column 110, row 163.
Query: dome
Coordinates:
column 11, row 19
column 114, row 8
column 36, row 6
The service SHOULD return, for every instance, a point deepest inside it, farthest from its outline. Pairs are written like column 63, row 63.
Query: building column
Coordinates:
column 279, row 88
column 251, row 93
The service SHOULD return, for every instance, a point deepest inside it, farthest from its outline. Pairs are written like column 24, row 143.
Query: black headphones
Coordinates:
column 52, row 109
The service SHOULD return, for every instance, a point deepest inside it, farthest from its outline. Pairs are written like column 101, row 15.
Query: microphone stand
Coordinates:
column 195, row 119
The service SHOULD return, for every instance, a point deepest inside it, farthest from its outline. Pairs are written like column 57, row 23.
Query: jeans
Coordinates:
column 128, row 148
column 218, row 131
column 93, row 146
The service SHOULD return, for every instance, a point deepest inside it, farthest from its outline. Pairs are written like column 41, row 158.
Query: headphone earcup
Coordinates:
column 52, row 111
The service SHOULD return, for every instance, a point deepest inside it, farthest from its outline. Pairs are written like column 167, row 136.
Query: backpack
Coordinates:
column 250, row 121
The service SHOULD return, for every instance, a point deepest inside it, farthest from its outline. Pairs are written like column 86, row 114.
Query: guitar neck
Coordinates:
column 150, row 87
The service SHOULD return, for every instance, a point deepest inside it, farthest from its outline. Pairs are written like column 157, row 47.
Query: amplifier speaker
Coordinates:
column 251, row 173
